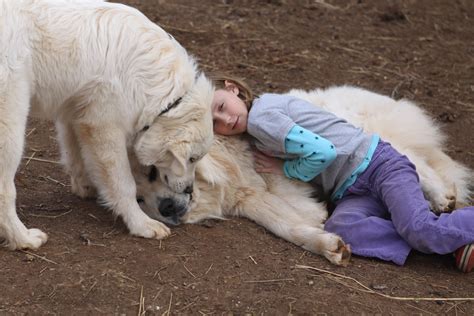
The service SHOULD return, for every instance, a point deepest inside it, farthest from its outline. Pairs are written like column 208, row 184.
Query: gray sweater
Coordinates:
column 272, row 116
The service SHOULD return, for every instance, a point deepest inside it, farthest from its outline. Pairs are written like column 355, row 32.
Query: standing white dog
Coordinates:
column 111, row 80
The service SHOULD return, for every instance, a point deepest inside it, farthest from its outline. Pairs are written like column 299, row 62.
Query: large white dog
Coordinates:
column 112, row 81
column 227, row 184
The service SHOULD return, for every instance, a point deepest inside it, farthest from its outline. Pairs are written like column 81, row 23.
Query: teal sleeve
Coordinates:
column 315, row 154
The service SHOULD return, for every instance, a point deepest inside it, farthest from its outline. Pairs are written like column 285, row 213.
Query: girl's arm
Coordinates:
column 315, row 154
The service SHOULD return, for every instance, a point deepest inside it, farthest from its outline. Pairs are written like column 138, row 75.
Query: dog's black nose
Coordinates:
column 189, row 189
column 167, row 207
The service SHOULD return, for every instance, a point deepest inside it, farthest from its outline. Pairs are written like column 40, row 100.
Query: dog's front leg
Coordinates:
column 105, row 155
column 283, row 220
column 14, row 104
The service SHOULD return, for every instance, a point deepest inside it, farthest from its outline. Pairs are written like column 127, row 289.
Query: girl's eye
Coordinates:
column 221, row 107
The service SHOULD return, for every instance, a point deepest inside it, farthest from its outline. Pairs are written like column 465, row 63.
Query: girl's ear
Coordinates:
column 232, row 87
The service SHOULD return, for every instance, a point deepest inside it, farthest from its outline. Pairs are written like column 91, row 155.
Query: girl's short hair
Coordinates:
column 245, row 93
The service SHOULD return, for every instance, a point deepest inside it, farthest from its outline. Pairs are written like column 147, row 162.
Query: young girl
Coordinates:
column 380, row 209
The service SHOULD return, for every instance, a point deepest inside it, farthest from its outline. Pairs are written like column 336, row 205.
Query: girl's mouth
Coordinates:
column 236, row 122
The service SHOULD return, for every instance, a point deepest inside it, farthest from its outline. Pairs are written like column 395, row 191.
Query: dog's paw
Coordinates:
column 33, row 239
column 322, row 242
column 338, row 253
column 150, row 228
column 83, row 188
column 334, row 249
column 444, row 204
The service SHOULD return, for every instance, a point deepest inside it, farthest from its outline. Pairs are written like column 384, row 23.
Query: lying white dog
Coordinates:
column 112, row 81
column 227, row 184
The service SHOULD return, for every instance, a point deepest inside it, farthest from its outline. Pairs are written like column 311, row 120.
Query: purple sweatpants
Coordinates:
column 384, row 213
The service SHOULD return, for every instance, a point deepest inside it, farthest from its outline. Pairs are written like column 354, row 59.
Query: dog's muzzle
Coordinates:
column 172, row 210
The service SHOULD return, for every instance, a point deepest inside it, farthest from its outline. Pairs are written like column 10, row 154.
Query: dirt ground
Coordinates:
column 421, row 50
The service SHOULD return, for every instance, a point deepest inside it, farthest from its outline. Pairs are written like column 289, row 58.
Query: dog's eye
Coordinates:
column 153, row 174
column 140, row 199
column 145, row 128
column 192, row 160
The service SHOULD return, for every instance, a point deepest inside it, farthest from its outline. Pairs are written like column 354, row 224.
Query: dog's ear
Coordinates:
column 178, row 165
column 211, row 171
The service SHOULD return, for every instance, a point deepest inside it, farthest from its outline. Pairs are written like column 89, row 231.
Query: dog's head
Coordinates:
column 163, row 204
column 157, row 199
column 179, row 138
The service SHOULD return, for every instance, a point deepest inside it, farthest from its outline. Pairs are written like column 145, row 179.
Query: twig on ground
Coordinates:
column 369, row 290
column 51, row 216
column 29, row 159
column 141, row 303
column 38, row 256
column 95, row 217
column 269, row 281
column 251, row 258
column 420, row 309
column 467, row 105
column 290, row 305
column 157, row 272
column 90, row 289
column 42, row 160
column 455, row 306
column 187, row 305
column 395, row 94
column 188, row 271
column 209, row 269
column 326, row 5
column 181, row 29
column 157, row 294
column 235, row 41
column 168, row 311
column 124, row 276
column 53, row 180
column 29, row 133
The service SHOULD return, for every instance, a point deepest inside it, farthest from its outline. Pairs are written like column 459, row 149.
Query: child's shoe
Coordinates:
column 465, row 258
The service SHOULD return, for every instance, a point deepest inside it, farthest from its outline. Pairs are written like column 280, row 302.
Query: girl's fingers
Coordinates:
column 260, row 155
column 263, row 170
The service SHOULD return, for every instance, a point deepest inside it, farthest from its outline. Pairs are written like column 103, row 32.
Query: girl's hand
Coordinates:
column 267, row 164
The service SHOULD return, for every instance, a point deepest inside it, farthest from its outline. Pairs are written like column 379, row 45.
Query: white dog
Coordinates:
column 112, row 81
column 227, row 184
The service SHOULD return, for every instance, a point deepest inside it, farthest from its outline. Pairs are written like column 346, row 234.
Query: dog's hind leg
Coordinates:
column 283, row 220
column 71, row 158
column 457, row 176
column 437, row 191
column 14, row 106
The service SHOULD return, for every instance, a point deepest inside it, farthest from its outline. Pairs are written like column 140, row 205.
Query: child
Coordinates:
column 380, row 209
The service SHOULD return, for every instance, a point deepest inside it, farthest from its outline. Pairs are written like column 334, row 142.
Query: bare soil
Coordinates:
column 421, row 50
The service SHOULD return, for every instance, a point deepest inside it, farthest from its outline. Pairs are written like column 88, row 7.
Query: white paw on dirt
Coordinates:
column 33, row 239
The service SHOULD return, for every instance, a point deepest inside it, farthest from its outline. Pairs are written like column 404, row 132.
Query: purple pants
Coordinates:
column 384, row 214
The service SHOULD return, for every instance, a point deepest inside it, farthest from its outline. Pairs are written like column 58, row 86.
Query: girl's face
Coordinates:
column 229, row 112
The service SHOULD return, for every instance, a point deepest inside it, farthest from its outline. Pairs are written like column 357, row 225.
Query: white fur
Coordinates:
column 103, row 72
column 227, row 184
